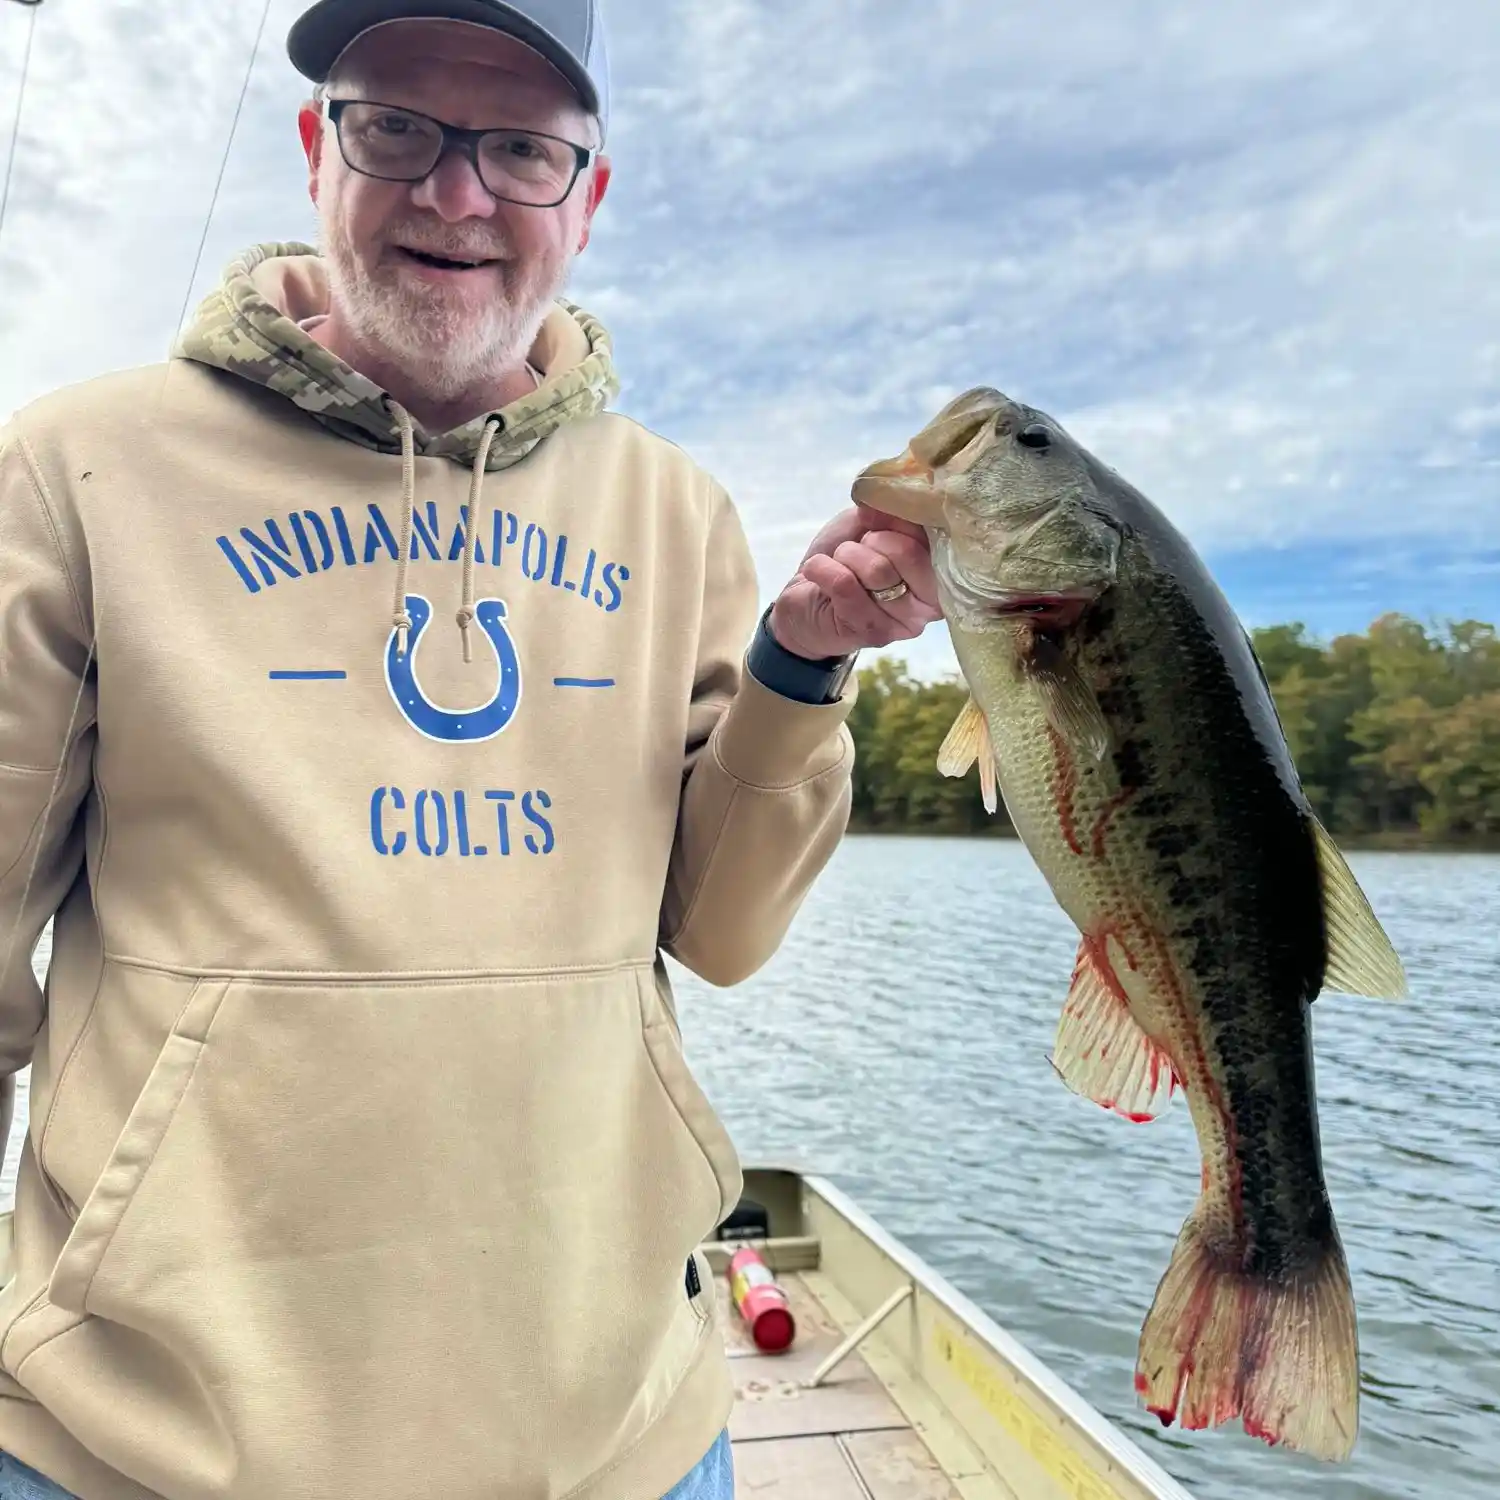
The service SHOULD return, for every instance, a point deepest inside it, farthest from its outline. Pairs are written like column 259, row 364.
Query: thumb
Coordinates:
column 880, row 520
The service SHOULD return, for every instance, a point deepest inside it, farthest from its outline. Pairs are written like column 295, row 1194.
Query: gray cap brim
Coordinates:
column 321, row 34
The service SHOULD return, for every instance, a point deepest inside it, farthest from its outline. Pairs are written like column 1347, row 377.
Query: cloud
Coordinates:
column 1245, row 252
column 126, row 122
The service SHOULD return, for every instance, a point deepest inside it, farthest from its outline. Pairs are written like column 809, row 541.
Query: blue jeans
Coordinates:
column 17, row 1482
column 713, row 1479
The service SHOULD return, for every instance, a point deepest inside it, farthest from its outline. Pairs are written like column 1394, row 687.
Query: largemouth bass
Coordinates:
column 1118, row 708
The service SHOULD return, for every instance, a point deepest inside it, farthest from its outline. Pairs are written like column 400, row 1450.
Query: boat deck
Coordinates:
column 919, row 1394
column 842, row 1440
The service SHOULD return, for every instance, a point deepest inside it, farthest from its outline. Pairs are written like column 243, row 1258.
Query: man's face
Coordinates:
column 449, row 330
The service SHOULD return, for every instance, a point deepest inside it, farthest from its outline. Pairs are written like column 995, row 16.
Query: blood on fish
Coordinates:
column 1065, row 769
column 1168, row 1413
column 1207, row 1083
column 1101, row 823
column 1097, row 943
column 1067, row 784
column 1156, row 1071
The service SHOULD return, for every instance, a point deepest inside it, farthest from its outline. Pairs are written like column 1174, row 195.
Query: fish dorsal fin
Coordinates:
column 1361, row 960
column 968, row 740
column 1101, row 1051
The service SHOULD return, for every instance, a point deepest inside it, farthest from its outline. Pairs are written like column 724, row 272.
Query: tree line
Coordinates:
column 1395, row 732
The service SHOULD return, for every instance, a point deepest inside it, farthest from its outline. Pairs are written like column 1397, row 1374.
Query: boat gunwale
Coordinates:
column 1028, row 1366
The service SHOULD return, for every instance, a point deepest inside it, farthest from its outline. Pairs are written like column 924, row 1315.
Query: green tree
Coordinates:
column 898, row 724
column 1283, row 649
column 1462, row 773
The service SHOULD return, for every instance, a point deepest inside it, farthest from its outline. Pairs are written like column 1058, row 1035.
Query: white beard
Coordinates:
column 441, row 342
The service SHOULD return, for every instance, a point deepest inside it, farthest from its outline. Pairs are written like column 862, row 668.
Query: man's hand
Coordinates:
column 827, row 608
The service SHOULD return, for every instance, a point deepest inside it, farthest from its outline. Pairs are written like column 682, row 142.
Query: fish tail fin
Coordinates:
column 1282, row 1355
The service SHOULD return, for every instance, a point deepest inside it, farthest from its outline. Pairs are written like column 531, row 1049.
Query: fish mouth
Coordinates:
column 904, row 487
column 912, row 485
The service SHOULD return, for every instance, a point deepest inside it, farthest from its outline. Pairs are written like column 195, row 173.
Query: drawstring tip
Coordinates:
column 401, row 640
column 463, row 632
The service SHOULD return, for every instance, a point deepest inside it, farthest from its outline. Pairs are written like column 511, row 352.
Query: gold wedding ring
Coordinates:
column 884, row 596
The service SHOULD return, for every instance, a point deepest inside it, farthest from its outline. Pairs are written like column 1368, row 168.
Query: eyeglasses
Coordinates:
column 400, row 145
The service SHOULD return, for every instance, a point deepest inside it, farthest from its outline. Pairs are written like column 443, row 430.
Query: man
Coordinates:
column 376, row 710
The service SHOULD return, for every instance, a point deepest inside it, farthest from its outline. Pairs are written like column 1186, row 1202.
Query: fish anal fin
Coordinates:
column 1361, row 959
column 1280, row 1354
column 1101, row 1051
column 968, row 740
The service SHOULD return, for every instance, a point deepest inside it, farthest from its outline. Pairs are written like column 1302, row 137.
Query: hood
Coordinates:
column 248, row 327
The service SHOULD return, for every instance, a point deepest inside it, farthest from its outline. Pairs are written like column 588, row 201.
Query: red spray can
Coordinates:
column 761, row 1301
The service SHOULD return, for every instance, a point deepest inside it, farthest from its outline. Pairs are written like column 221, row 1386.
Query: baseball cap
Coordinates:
column 568, row 33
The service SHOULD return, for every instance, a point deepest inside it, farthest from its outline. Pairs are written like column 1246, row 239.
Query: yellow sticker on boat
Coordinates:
column 1064, row 1467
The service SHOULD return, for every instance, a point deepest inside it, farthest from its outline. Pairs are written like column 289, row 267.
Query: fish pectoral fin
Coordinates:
column 968, row 740
column 1101, row 1051
column 1361, row 959
column 1069, row 703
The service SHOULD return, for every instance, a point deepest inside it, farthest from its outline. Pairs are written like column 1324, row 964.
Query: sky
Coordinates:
column 1249, row 253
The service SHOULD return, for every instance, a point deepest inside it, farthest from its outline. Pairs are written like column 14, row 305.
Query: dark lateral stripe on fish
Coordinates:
column 1276, row 896
column 1272, row 1152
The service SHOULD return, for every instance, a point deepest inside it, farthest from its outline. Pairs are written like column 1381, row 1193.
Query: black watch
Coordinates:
column 801, row 678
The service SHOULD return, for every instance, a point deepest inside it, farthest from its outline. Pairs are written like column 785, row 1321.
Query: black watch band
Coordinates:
column 803, row 679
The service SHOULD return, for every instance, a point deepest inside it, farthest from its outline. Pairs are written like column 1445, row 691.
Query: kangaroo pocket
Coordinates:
column 390, row 1239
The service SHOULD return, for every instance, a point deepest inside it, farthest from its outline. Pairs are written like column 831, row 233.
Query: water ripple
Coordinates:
column 908, row 1020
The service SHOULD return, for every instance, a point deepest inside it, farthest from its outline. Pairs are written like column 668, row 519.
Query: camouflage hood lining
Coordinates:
column 248, row 327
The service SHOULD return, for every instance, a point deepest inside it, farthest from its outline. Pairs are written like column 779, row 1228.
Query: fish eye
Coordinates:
column 1034, row 435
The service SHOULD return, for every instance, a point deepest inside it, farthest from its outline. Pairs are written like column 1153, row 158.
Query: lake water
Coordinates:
column 898, row 1044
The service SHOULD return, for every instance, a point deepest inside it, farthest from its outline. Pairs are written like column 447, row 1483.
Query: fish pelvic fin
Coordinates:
column 967, row 741
column 1361, row 959
column 1281, row 1355
column 1100, row 1051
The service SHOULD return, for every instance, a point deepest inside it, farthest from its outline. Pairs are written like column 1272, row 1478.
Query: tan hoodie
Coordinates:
column 363, row 1161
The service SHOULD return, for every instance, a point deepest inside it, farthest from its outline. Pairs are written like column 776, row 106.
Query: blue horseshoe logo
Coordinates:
column 481, row 723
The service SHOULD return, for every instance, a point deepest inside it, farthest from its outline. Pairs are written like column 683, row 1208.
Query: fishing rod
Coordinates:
column 15, row 124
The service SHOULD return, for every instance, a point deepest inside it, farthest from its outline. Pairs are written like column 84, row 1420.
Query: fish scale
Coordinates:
column 1118, row 709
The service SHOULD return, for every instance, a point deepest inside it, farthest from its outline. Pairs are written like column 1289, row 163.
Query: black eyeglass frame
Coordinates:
column 466, row 143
